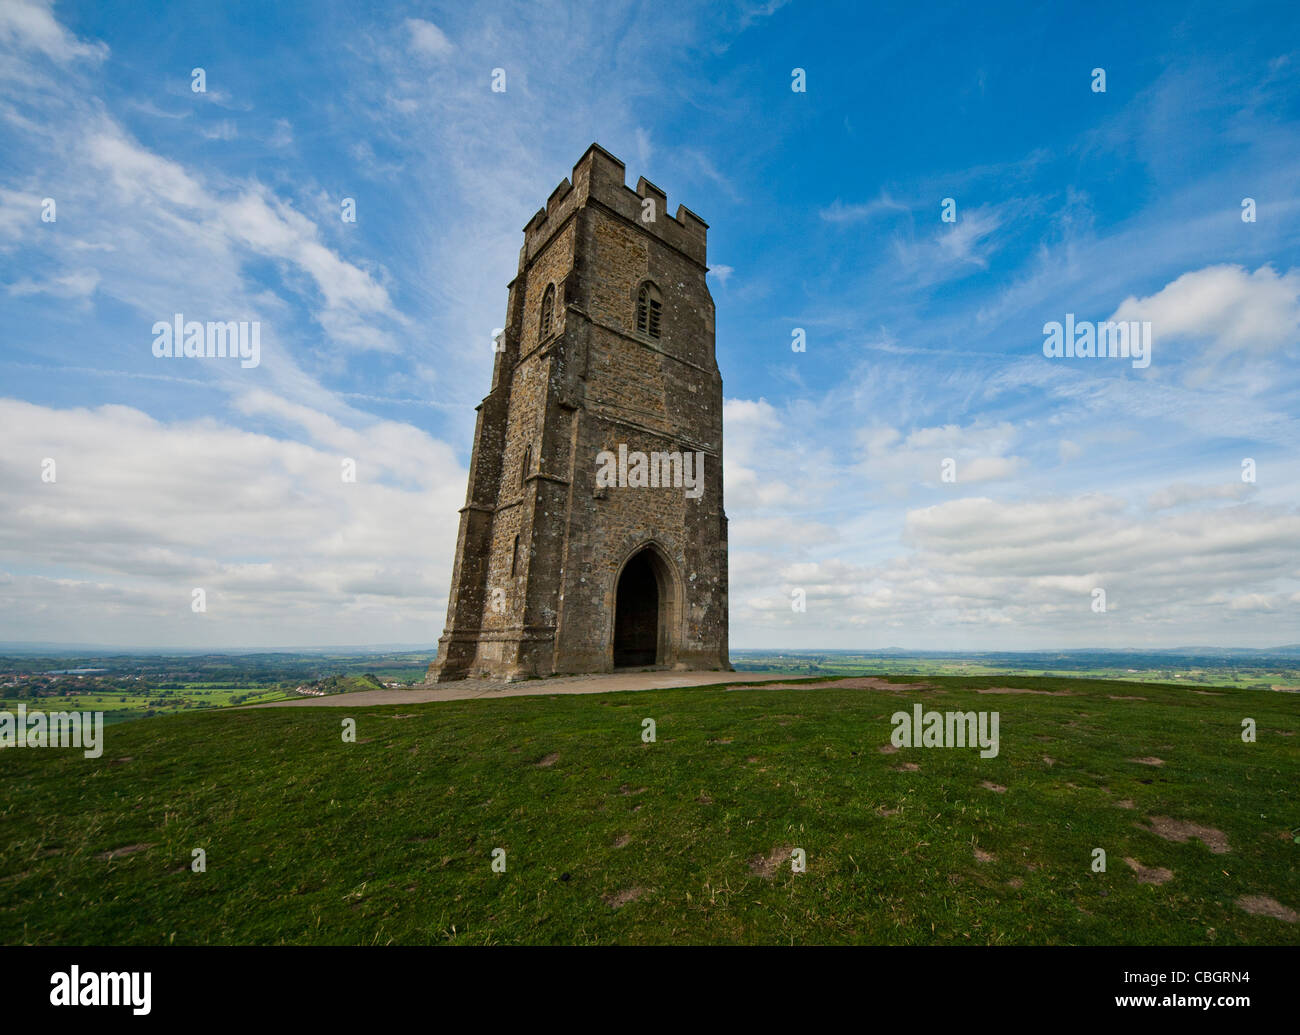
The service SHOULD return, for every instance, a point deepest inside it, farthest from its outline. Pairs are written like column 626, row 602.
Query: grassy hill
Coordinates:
column 312, row 840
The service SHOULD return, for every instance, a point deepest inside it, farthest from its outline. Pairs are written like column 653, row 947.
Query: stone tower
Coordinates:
column 593, row 534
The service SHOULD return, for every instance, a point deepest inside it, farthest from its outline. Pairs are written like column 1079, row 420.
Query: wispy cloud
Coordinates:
column 427, row 39
column 838, row 212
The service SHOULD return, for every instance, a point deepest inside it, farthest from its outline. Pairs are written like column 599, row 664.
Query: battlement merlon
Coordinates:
column 599, row 176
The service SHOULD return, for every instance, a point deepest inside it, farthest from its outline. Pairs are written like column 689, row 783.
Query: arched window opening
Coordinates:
column 526, row 468
column 548, row 313
column 649, row 310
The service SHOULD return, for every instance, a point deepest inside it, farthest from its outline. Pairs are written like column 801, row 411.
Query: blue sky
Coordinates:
column 924, row 338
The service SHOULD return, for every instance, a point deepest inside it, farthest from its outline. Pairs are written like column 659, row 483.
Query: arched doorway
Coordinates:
column 640, row 610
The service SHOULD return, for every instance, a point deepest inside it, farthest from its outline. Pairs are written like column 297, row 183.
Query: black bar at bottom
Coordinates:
column 333, row 985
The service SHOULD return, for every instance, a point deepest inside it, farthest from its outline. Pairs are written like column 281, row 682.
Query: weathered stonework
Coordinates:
column 542, row 550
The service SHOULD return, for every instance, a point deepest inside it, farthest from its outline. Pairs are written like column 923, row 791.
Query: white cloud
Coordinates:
column 1254, row 602
column 427, row 39
column 31, row 24
column 1018, row 573
column 838, row 212
column 1182, row 493
column 176, row 206
column 74, row 284
column 897, row 464
column 952, row 250
column 962, row 241
column 1224, row 308
column 764, row 466
column 142, row 511
column 283, row 134
column 644, row 149
column 223, row 130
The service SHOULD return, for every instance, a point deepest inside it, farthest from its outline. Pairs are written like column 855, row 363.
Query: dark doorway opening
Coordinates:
column 636, row 614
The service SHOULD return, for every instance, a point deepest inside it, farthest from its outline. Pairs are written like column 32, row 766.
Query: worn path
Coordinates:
column 466, row 688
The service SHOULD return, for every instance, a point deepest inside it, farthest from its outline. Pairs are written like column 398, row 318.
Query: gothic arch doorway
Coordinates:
column 643, row 610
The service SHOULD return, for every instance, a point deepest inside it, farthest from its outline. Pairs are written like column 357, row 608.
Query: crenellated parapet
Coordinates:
column 599, row 177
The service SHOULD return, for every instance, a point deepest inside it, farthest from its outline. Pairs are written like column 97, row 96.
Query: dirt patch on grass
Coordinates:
column 622, row 840
column 882, row 811
column 1149, row 874
column 1125, row 803
column 117, row 853
column 852, row 683
column 626, row 789
column 727, row 740
column 618, row 899
column 1262, row 905
column 1181, row 830
column 889, row 749
column 907, row 767
column 1125, row 697
column 1018, row 690
column 873, row 683
column 996, row 788
column 549, row 760
column 753, row 758
column 1148, row 760
column 766, row 865
column 704, row 799
column 1015, row 882
column 1049, row 760
column 983, row 856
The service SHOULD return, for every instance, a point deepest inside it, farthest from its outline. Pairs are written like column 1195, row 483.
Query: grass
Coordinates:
column 312, row 840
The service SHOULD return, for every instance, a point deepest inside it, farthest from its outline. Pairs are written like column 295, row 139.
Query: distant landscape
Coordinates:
column 128, row 686
column 1276, row 668
column 136, row 686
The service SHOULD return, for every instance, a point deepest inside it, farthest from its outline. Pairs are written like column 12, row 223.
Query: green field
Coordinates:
column 124, row 704
column 686, row 840
column 143, row 688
